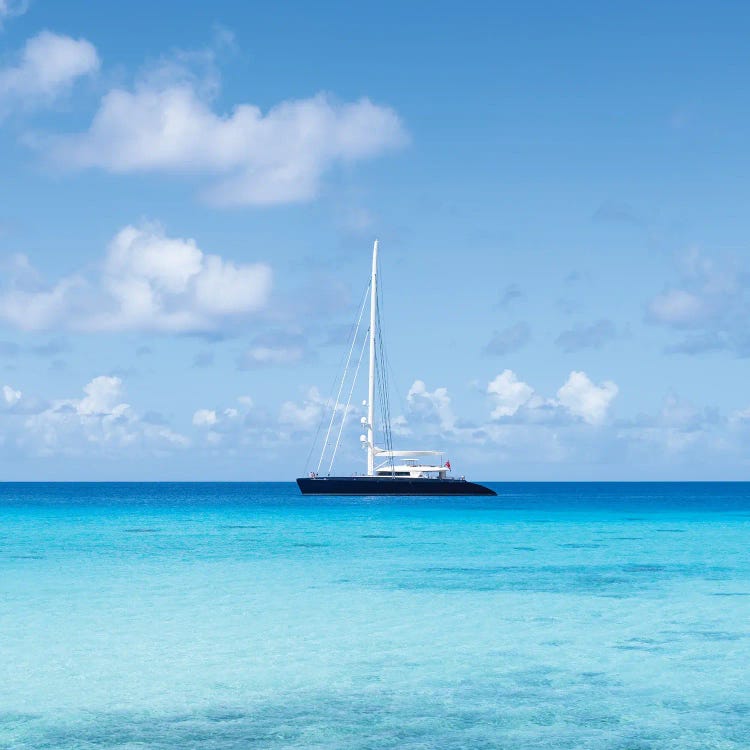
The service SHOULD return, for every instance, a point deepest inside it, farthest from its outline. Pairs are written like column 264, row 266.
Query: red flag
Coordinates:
column 448, row 465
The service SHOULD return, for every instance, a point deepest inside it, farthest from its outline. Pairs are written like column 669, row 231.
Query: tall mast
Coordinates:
column 371, row 381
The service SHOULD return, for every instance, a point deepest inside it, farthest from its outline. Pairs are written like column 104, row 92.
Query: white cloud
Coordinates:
column 148, row 281
column 167, row 124
column 741, row 415
column 522, row 426
column 431, row 406
column 33, row 308
column 12, row 8
column 100, row 421
column 508, row 394
column 218, row 423
column 400, row 426
column 710, row 304
column 11, row 395
column 102, row 396
column 262, row 356
column 552, row 437
column 275, row 348
column 677, row 307
column 250, row 431
column 239, row 425
column 584, row 399
column 305, row 416
column 48, row 66
column 514, row 403
column 204, row 418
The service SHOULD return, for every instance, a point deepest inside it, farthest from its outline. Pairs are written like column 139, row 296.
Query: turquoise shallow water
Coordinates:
column 228, row 616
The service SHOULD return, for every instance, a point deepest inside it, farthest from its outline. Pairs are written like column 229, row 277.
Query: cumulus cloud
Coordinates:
column 11, row 396
column 305, row 416
column 709, row 305
column 593, row 336
column 167, row 124
column 261, row 430
column 100, row 421
column 147, row 281
column 521, row 420
column 509, row 340
column 577, row 399
column 522, row 425
column 508, row 394
column 102, row 396
column 430, row 406
column 15, row 403
column 513, row 402
column 205, row 418
column 570, row 430
column 567, row 435
column 47, row 68
column 236, row 423
column 586, row 400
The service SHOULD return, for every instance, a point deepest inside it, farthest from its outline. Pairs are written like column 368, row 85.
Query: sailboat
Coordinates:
column 389, row 471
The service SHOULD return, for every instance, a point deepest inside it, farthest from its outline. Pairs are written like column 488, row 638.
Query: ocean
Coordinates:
column 233, row 616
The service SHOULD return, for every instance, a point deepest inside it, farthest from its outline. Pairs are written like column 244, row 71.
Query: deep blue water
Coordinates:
column 218, row 616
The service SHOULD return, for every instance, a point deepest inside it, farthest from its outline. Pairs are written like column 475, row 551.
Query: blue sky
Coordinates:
column 190, row 192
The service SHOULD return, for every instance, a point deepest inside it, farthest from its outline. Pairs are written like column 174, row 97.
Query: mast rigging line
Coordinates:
column 378, row 381
column 343, row 380
column 348, row 401
column 383, row 384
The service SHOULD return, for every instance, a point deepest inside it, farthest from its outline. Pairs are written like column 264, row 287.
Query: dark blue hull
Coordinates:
column 389, row 486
